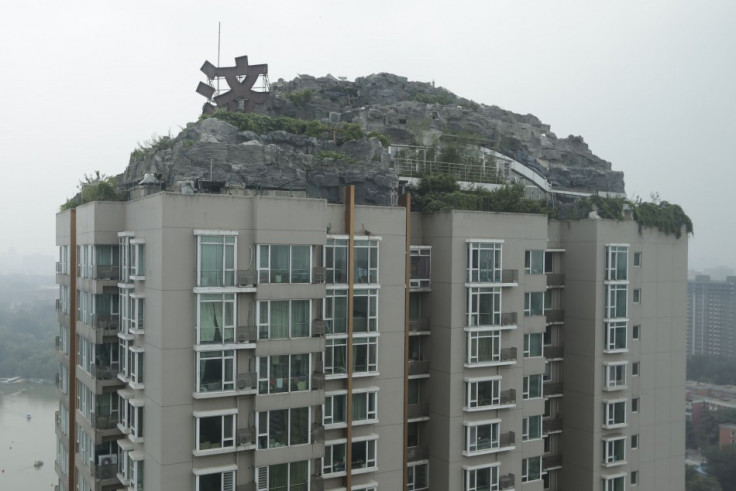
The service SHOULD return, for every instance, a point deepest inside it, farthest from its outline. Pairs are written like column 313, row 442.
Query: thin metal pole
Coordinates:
column 218, row 55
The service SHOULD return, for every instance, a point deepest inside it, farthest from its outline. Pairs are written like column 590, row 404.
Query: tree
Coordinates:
column 695, row 481
column 721, row 464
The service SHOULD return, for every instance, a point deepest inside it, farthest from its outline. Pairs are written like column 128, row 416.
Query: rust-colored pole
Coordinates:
column 72, row 382
column 350, row 227
column 406, row 202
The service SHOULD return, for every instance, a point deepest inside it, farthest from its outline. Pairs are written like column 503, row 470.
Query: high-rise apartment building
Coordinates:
column 711, row 316
column 252, row 343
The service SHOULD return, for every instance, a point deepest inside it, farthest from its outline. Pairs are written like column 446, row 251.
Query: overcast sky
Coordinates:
column 648, row 84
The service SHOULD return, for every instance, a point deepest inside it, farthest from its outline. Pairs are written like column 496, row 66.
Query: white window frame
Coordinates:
column 370, row 344
column 636, row 295
column 610, row 482
column 614, row 375
column 371, row 452
column 637, row 259
column 530, row 300
column 527, row 386
column 333, row 344
column 328, row 310
column 611, row 331
column 474, row 337
column 262, row 475
column 610, row 457
column 526, row 464
column 528, row 345
column 473, row 441
column 372, row 304
column 611, row 409
column 227, row 478
column 264, row 270
column 328, row 413
column 371, row 404
column 229, row 242
column 421, row 252
column 228, row 383
column 613, row 309
column 265, row 376
column 411, row 476
column 136, row 367
column 478, row 248
column 227, row 440
column 263, row 428
column 263, row 318
column 614, row 254
column 332, row 244
column 471, row 393
column 470, row 476
column 531, row 258
column 330, row 465
column 531, row 428
column 226, row 302
column 474, row 296
column 364, row 278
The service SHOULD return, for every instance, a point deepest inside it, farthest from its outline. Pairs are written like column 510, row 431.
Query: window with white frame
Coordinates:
column 533, row 303
column 280, row 319
column 85, row 446
column 216, row 481
column 614, row 413
column 366, row 261
column 364, row 452
column 617, row 262
column 532, row 386
column 534, row 262
column 336, row 311
column 483, row 347
column 531, row 469
column 484, row 306
column 615, row 376
column 365, row 354
column 291, row 476
column 616, row 298
column 215, row 431
column 614, row 451
column 636, row 295
column 531, row 428
column 334, row 410
column 216, row 318
column 482, row 436
column 365, row 310
column 216, row 260
column 336, row 261
column 533, row 344
column 282, row 427
column 138, row 258
column 481, row 478
column 635, row 366
column 635, row 405
column 284, row 373
column 482, row 393
column 334, row 459
column 63, row 267
column 420, row 266
column 614, row 483
column 335, row 358
column 284, row 263
column 135, row 418
column 484, row 262
column 634, row 442
column 616, row 335
column 417, row 477
column 637, row 259
column 365, row 406
column 215, row 371
column 634, row 478
column 636, row 331
column 135, row 364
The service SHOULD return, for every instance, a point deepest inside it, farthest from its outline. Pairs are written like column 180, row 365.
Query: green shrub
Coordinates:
column 385, row 141
column 300, row 97
column 99, row 188
column 338, row 156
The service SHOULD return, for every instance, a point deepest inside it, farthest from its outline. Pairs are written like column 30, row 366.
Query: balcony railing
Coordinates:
column 492, row 276
column 246, row 436
column 318, row 380
column 105, row 322
column 105, row 372
column 554, row 316
column 508, row 396
column 551, row 425
column 247, row 277
column 551, row 462
column 101, row 422
column 509, row 318
column 419, row 325
column 418, row 367
column 106, row 272
column 555, row 280
column 247, row 381
column 508, row 354
column 100, row 472
column 318, row 274
column 319, row 326
column 251, row 486
column 318, row 484
column 506, row 481
column 417, row 453
column 246, row 334
column 553, row 388
column 507, row 439
column 318, row 433
column 420, row 410
column 553, row 351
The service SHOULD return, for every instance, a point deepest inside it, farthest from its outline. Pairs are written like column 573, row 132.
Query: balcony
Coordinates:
column 552, row 389
column 318, row 380
column 418, row 411
column 509, row 319
column 106, row 322
column 553, row 352
column 246, row 334
column 508, row 397
column 247, row 278
column 106, row 372
column 417, row 453
column 319, row 326
column 106, row 422
column 318, row 433
column 555, row 280
column 506, row 481
column 318, row 274
column 508, row 355
column 551, row 462
column 551, row 426
column 419, row 325
column 247, row 381
column 507, row 439
column 100, row 472
column 246, row 437
column 554, row 316
column 504, row 276
column 418, row 367
column 318, row 484
column 106, row 272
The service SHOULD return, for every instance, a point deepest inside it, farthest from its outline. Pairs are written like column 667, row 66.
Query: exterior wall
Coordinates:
column 711, row 316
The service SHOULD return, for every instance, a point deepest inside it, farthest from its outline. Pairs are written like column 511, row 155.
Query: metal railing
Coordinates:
column 247, row 277
column 103, row 422
column 551, row 461
column 553, row 316
column 318, row 380
column 556, row 279
column 418, row 367
column 246, row 334
column 246, row 436
column 100, row 472
column 508, row 354
column 247, row 381
column 551, row 425
column 420, row 410
column 554, row 351
column 508, row 396
column 417, row 453
column 492, row 276
column 506, row 481
column 552, row 388
column 475, row 172
column 106, row 322
column 509, row 318
column 419, row 325
column 106, row 272
column 106, row 372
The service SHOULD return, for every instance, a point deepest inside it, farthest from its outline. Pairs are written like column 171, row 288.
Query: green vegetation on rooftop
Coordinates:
column 97, row 187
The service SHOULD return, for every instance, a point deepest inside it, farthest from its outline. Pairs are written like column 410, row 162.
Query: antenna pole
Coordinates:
column 218, row 55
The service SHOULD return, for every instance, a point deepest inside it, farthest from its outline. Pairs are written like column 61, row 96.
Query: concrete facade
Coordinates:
column 711, row 316
column 498, row 374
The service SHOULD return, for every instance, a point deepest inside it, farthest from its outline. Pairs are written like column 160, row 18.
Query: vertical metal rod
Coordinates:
column 72, row 372
column 218, row 55
column 350, row 228
column 406, row 201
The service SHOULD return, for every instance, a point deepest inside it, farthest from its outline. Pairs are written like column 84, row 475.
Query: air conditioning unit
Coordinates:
column 242, row 384
column 109, row 459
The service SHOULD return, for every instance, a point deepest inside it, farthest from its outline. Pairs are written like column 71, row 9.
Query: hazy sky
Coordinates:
column 648, row 84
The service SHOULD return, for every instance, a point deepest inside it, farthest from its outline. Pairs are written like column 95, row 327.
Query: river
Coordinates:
column 24, row 441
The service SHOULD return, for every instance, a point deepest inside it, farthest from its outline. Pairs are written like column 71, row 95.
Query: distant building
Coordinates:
column 711, row 316
column 726, row 435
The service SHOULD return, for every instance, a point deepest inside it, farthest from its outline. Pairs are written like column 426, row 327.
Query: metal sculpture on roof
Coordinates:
column 241, row 96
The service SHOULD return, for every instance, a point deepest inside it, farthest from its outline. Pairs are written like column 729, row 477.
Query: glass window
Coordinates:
column 335, row 361
column 481, row 479
column 215, row 432
column 364, row 454
column 293, row 476
column 336, row 311
column 484, row 262
column 635, row 405
column 532, row 386
column 280, row 319
column 334, row 459
column 533, row 303
column 484, row 306
column 635, row 331
column 614, row 451
column 616, row 296
column 366, row 261
column 635, row 369
column 365, row 310
column 636, row 297
column 336, row 261
column 365, row 354
column 218, row 481
column 615, row 376
column 420, row 266
column 335, row 409
column 483, row 393
column 614, row 413
column 284, row 263
column 615, row 335
column 216, row 260
column 534, row 262
column 531, row 469
column 365, row 406
column 637, row 259
column 417, row 477
column 533, row 344
column 616, row 263
column 531, row 428
column 483, row 347
column 282, row 427
column 480, row 437
column 216, row 371
column 216, row 318
column 283, row 373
